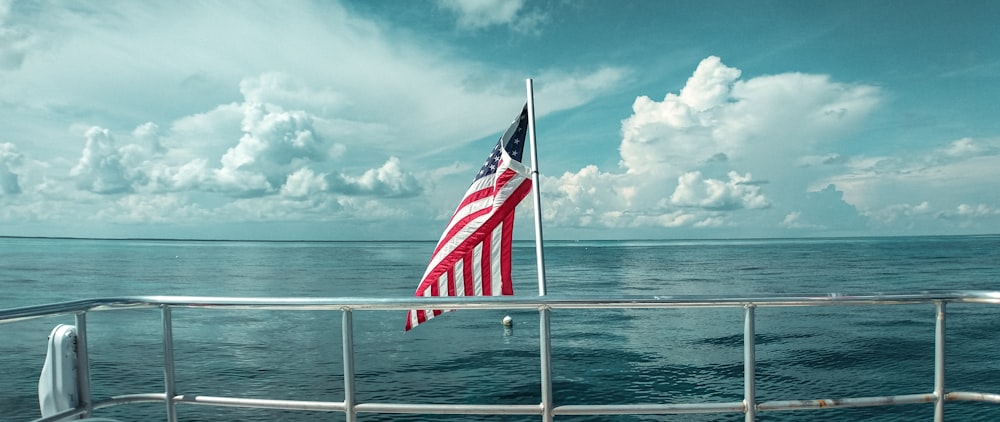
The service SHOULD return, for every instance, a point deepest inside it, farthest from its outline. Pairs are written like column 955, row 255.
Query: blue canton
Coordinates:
column 514, row 146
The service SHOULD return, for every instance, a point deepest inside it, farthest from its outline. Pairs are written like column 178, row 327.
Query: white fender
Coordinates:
column 57, row 387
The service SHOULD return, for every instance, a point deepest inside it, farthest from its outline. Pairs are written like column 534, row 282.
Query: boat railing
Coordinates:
column 545, row 305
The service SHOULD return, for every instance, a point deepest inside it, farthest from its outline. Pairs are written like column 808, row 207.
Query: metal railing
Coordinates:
column 545, row 305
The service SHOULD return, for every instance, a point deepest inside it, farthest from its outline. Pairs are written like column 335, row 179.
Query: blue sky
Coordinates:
column 367, row 119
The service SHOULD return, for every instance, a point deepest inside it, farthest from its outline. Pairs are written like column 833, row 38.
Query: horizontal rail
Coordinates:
column 848, row 402
column 970, row 396
column 650, row 409
column 625, row 409
column 492, row 302
column 565, row 410
column 261, row 403
column 451, row 409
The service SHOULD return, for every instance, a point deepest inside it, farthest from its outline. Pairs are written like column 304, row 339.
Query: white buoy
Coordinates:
column 508, row 321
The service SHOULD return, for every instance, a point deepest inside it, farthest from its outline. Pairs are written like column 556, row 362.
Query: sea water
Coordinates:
column 467, row 357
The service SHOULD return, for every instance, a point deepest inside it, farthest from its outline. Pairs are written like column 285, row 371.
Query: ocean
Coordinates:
column 599, row 356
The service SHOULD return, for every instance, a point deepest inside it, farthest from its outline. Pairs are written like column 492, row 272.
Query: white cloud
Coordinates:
column 565, row 90
column 203, row 132
column 792, row 220
column 476, row 14
column 100, row 168
column 280, row 167
column 708, row 87
column 939, row 180
column 660, row 137
column 390, row 180
column 287, row 92
column 898, row 212
column 148, row 135
column 190, row 176
column 978, row 210
column 938, row 217
column 9, row 159
column 155, row 209
column 15, row 40
column 737, row 193
column 678, row 219
column 585, row 198
column 965, row 149
column 688, row 159
column 274, row 143
column 367, row 209
column 760, row 121
column 303, row 183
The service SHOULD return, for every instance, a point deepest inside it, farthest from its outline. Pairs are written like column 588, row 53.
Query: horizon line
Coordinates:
column 687, row 239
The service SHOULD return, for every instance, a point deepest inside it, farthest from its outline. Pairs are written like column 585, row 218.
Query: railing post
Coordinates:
column 83, row 364
column 348, row 339
column 749, row 365
column 170, row 384
column 545, row 359
column 939, row 361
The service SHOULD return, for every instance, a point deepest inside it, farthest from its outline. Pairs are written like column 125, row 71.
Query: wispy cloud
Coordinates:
column 480, row 14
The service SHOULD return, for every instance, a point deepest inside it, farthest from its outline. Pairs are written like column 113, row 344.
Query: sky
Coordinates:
column 367, row 120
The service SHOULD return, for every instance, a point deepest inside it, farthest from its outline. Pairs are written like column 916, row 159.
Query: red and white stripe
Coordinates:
column 472, row 258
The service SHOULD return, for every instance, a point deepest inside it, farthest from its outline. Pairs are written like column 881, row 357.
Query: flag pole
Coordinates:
column 544, row 318
column 536, row 192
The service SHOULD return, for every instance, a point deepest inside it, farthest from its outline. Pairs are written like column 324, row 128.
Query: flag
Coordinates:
column 473, row 256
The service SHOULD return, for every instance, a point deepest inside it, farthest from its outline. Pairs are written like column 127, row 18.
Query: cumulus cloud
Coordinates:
column 9, row 158
column 389, row 181
column 661, row 137
column 193, row 175
column 148, row 135
column 687, row 160
column 738, row 192
column 303, row 183
column 100, row 169
column 585, row 198
column 763, row 119
column 274, row 143
column 278, row 165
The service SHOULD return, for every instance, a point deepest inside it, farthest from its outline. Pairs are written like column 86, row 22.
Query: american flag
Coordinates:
column 473, row 256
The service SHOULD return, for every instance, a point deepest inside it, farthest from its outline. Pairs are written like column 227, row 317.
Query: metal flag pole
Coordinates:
column 544, row 319
column 536, row 192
